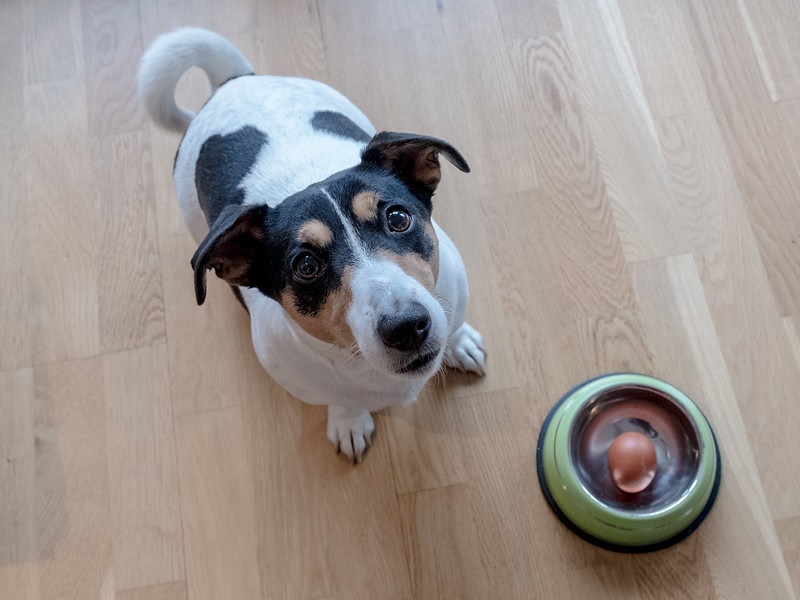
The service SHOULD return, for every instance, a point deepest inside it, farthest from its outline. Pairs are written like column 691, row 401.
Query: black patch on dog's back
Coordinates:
column 337, row 124
column 223, row 162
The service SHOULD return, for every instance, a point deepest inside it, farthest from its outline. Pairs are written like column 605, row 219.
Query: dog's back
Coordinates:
column 291, row 132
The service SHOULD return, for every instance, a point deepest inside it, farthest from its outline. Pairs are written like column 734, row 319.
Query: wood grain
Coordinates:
column 307, row 548
column 632, row 206
column 687, row 336
column 18, row 545
column 12, row 76
column 738, row 294
column 427, row 451
column 789, row 534
column 773, row 27
column 166, row 591
column 15, row 343
column 130, row 296
column 573, row 201
column 527, row 20
column 52, row 40
column 217, row 506
column 760, row 153
column 668, row 68
column 158, row 16
column 112, row 45
column 287, row 515
column 791, row 332
column 143, row 474
column 622, row 126
column 292, row 43
column 440, row 530
column 616, row 343
column 73, row 538
column 62, row 221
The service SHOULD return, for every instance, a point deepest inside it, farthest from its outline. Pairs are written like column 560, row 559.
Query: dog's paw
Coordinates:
column 465, row 351
column 350, row 431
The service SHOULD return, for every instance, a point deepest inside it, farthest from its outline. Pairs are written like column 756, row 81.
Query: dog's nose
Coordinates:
column 407, row 331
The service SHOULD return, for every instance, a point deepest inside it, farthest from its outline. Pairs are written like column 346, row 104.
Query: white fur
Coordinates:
column 171, row 56
column 295, row 157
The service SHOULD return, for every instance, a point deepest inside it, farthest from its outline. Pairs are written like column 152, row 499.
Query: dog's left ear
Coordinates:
column 231, row 247
column 414, row 159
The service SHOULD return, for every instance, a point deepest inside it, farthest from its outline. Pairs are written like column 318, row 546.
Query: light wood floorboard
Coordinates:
column 634, row 204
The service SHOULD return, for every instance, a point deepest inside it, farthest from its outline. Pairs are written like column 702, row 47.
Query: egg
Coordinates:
column 632, row 462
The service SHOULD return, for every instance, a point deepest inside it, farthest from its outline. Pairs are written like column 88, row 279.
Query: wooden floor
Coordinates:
column 634, row 204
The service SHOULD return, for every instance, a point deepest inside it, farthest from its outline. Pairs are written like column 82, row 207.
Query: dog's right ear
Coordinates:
column 231, row 247
column 413, row 158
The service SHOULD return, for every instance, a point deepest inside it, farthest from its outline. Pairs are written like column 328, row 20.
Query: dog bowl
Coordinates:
column 628, row 462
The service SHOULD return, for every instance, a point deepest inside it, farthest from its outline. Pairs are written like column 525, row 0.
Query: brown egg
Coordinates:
column 632, row 461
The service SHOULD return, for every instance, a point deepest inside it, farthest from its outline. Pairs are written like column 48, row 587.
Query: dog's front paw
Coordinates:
column 350, row 430
column 465, row 351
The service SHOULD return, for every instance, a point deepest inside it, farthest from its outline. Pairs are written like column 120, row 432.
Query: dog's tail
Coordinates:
column 170, row 56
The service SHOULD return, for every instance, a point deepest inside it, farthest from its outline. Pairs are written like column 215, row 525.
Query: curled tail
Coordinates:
column 170, row 56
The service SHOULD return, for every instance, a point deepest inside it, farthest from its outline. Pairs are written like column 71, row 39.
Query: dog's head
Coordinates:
column 354, row 259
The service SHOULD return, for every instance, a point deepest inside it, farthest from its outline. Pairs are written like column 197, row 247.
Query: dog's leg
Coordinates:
column 465, row 351
column 350, row 430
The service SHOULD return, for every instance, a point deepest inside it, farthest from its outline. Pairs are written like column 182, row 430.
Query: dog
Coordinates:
column 323, row 229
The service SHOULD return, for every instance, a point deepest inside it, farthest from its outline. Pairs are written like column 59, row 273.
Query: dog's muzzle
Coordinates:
column 398, row 325
column 408, row 333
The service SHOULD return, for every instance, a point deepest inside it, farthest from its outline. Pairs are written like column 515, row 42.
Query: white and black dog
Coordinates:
column 322, row 228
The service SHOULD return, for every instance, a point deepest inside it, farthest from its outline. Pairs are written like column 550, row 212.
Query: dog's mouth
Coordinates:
column 419, row 364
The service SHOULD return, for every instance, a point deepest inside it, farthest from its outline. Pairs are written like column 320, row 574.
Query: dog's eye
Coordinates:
column 306, row 266
column 398, row 219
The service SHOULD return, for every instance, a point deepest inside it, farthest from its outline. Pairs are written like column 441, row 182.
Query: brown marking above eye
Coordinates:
column 365, row 206
column 329, row 324
column 316, row 233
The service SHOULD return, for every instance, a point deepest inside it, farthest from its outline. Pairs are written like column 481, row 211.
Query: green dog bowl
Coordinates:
column 628, row 462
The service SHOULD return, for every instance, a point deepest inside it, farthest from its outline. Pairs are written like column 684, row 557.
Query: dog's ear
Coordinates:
column 231, row 247
column 414, row 159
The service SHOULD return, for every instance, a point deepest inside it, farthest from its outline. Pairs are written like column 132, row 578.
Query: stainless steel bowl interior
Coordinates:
column 650, row 412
